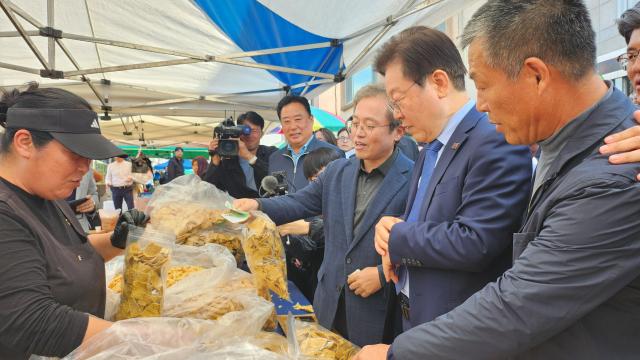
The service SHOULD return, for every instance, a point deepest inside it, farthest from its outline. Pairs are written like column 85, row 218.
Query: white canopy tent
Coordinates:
column 166, row 72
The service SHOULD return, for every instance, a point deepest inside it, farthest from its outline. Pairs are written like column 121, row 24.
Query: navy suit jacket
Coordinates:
column 333, row 194
column 474, row 203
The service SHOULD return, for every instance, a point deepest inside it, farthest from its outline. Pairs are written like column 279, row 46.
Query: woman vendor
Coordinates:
column 52, row 282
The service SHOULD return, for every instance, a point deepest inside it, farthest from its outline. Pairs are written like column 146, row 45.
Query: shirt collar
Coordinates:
column 454, row 121
column 303, row 149
column 385, row 166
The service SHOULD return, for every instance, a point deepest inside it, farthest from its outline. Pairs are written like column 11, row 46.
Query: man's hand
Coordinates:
column 87, row 206
column 243, row 152
column 373, row 352
column 299, row 227
column 213, row 146
column 245, row 204
column 383, row 229
column 365, row 282
column 389, row 269
column 625, row 145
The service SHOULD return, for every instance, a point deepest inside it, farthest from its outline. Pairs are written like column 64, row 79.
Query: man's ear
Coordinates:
column 536, row 70
column 442, row 83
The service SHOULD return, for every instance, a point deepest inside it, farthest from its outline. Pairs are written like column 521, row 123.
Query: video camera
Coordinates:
column 228, row 134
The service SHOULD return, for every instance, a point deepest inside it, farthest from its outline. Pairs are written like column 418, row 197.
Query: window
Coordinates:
column 356, row 81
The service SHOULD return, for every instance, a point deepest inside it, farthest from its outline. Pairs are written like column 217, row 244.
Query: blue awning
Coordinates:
column 252, row 26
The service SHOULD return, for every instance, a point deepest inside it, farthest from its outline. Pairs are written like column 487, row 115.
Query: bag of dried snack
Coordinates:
column 265, row 255
column 312, row 341
column 227, row 235
column 146, row 261
column 113, row 274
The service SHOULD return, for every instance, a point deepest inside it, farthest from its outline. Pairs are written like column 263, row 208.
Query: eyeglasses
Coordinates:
column 394, row 105
column 367, row 129
column 343, row 138
column 628, row 59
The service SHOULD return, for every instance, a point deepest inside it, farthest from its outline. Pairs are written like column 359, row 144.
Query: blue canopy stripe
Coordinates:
column 252, row 26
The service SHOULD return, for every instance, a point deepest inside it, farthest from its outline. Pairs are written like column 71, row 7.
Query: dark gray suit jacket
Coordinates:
column 333, row 194
column 574, row 289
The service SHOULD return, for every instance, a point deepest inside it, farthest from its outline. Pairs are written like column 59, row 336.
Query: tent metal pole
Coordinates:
column 324, row 62
column 68, row 74
column 368, row 48
column 51, row 42
column 19, row 68
column 311, row 83
column 9, row 34
column 128, row 45
column 7, row 10
column 85, row 79
column 280, row 50
column 23, row 14
column 392, row 19
column 274, row 68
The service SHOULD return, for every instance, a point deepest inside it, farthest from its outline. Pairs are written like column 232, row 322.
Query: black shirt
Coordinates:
column 368, row 186
column 45, row 289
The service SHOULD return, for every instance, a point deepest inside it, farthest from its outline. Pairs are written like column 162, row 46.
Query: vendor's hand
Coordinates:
column 365, row 282
column 87, row 206
column 624, row 146
column 128, row 219
column 383, row 230
column 243, row 152
column 389, row 269
column 373, row 352
column 299, row 227
column 245, row 204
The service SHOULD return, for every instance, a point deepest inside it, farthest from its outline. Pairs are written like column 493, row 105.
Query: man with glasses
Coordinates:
column 352, row 296
column 344, row 140
column 241, row 176
column 469, row 187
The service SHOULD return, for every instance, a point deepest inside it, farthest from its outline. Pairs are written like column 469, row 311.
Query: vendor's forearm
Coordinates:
column 95, row 326
column 102, row 244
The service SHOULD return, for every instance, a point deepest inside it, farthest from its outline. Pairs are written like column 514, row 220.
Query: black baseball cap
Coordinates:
column 77, row 129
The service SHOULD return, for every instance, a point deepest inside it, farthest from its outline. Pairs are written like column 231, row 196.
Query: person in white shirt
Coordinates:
column 120, row 182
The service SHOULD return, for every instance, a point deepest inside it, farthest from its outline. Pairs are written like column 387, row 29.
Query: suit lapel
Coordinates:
column 349, row 182
column 392, row 183
column 456, row 142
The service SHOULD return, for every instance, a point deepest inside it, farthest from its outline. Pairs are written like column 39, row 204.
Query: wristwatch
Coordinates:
column 253, row 160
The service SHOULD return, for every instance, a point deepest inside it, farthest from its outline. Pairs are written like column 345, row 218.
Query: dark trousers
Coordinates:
column 120, row 193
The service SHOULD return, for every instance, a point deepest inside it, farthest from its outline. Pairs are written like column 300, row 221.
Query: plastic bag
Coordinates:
column 191, row 190
column 226, row 236
column 312, row 341
column 162, row 338
column 146, row 261
column 265, row 255
column 113, row 275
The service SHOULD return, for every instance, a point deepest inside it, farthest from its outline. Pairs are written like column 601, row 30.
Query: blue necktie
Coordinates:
column 427, row 169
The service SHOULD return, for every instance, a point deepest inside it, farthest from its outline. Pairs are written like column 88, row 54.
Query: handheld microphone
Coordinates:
column 269, row 184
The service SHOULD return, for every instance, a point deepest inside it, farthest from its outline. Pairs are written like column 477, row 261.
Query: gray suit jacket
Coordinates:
column 333, row 194
column 87, row 187
column 574, row 289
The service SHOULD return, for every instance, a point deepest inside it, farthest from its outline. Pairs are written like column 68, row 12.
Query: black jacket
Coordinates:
column 228, row 176
column 174, row 169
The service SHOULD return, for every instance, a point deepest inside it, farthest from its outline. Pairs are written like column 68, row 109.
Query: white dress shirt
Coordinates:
column 119, row 174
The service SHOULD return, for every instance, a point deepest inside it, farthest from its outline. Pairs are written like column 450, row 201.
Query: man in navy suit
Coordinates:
column 352, row 194
column 468, row 190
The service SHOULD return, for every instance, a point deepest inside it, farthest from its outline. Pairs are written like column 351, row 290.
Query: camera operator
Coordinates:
column 242, row 174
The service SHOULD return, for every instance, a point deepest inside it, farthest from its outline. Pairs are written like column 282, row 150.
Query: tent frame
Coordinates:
column 57, row 37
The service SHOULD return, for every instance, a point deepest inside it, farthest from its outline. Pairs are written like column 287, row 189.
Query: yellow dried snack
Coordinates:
column 178, row 273
column 317, row 342
column 272, row 342
column 307, row 308
column 231, row 241
column 116, row 283
column 142, row 281
column 265, row 256
column 182, row 217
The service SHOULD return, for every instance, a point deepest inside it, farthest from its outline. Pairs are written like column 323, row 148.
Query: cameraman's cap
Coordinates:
column 77, row 129
column 178, row 148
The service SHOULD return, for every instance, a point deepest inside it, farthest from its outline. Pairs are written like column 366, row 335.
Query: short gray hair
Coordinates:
column 556, row 31
column 375, row 90
column 629, row 21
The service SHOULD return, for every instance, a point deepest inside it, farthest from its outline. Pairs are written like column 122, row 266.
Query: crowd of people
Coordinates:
column 460, row 250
